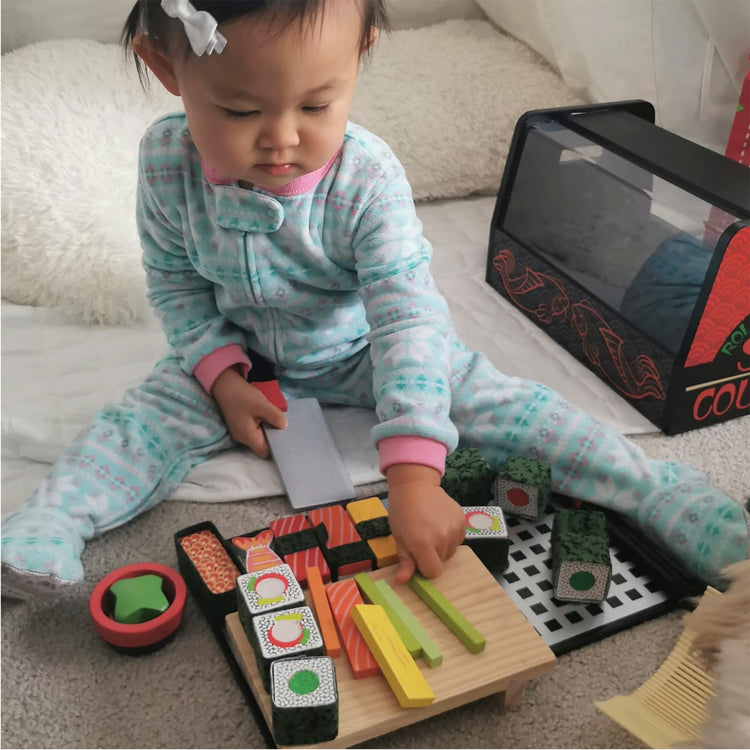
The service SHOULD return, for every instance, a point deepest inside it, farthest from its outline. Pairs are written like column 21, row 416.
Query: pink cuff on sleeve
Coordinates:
column 212, row 365
column 412, row 449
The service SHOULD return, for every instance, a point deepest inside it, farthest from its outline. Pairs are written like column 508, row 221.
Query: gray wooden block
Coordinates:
column 307, row 459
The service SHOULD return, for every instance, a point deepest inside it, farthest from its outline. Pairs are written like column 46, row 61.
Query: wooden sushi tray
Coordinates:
column 368, row 708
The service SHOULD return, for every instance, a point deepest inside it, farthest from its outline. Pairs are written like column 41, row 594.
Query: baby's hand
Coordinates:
column 427, row 524
column 244, row 407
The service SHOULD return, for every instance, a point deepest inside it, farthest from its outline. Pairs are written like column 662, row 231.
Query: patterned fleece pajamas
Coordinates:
column 329, row 279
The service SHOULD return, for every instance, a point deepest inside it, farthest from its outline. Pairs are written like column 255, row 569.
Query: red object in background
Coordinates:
column 144, row 634
column 738, row 146
column 726, row 306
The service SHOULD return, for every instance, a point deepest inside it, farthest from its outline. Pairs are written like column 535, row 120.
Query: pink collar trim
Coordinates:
column 304, row 183
column 299, row 185
column 214, row 176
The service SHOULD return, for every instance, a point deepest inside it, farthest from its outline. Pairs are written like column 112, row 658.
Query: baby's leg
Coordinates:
column 674, row 503
column 132, row 456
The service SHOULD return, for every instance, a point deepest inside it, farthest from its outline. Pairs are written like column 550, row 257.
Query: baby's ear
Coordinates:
column 374, row 32
column 157, row 61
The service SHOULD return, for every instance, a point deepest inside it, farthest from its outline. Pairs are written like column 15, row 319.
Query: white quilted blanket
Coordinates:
column 57, row 372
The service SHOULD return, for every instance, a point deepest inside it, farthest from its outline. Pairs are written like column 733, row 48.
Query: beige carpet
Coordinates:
column 63, row 687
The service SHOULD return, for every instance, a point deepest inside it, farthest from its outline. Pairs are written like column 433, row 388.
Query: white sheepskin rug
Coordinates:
column 445, row 97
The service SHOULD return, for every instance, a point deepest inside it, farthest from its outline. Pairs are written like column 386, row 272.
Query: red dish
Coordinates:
column 145, row 634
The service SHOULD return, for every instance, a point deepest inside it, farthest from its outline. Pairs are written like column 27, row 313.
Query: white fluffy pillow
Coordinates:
column 445, row 97
column 72, row 117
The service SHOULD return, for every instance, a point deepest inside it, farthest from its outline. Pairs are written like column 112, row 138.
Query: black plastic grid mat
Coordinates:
column 634, row 596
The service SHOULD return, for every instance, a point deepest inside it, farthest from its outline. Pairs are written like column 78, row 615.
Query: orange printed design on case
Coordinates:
column 211, row 560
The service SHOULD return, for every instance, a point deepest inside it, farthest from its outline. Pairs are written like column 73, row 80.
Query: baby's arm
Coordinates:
column 427, row 524
column 410, row 348
column 209, row 346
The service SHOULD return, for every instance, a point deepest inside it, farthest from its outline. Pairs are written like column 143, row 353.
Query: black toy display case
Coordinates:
column 630, row 247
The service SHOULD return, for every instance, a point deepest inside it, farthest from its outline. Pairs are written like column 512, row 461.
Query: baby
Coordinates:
column 273, row 228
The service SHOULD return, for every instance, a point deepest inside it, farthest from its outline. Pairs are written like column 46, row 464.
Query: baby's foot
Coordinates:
column 25, row 584
column 41, row 553
column 702, row 526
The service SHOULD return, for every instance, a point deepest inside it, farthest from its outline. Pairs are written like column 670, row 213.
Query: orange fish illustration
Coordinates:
column 604, row 349
column 537, row 293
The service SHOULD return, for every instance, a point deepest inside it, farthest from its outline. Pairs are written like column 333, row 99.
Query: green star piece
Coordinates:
column 138, row 599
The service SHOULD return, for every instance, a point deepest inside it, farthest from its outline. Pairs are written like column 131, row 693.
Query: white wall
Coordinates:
column 687, row 57
column 27, row 21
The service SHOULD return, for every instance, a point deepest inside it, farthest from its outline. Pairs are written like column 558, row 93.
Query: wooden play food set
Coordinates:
column 368, row 708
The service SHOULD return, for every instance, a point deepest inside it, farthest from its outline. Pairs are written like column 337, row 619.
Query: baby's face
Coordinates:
column 274, row 104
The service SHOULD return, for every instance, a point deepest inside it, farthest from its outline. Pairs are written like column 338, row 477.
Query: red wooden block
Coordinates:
column 342, row 531
column 300, row 561
column 271, row 390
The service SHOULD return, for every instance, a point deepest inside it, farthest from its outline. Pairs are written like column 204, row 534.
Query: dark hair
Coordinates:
column 148, row 17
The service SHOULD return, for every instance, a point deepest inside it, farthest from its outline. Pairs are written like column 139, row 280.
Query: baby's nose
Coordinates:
column 280, row 133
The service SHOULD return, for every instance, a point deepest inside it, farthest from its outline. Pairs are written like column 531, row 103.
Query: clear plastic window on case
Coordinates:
column 639, row 243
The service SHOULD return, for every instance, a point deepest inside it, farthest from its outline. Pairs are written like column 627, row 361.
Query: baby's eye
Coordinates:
column 316, row 110
column 240, row 114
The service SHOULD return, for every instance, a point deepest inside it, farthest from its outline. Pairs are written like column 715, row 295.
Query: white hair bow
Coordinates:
column 200, row 26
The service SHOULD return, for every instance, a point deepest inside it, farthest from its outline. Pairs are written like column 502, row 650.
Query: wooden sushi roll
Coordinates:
column 487, row 534
column 468, row 477
column 266, row 590
column 290, row 632
column 581, row 566
column 523, row 487
column 304, row 700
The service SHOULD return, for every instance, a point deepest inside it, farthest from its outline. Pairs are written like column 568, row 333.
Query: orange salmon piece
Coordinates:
column 342, row 596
